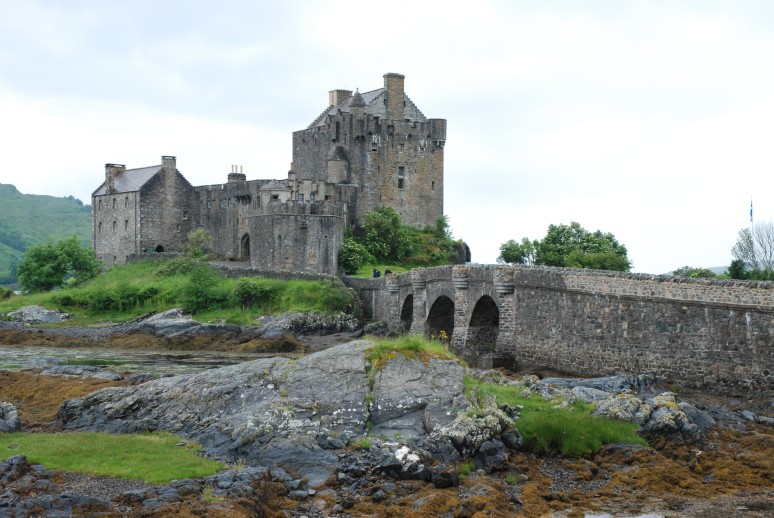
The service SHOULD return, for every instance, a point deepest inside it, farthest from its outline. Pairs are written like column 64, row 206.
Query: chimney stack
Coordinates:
column 336, row 96
column 110, row 176
column 393, row 83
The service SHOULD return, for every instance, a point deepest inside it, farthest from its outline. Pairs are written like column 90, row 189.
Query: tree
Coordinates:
column 518, row 253
column 382, row 234
column 737, row 270
column 690, row 272
column 197, row 244
column 755, row 248
column 50, row 265
column 571, row 246
column 352, row 256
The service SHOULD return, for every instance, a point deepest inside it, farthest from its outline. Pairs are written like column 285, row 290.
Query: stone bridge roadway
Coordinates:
column 708, row 334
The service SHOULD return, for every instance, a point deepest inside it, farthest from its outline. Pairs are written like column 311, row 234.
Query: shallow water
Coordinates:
column 18, row 357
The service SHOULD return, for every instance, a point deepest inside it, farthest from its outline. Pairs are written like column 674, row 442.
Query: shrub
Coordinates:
column 102, row 300
column 251, row 293
column 352, row 256
column 199, row 294
column 177, row 266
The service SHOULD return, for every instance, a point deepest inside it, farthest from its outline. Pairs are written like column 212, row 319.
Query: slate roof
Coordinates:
column 274, row 185
column 343, row 106
column 130, row 180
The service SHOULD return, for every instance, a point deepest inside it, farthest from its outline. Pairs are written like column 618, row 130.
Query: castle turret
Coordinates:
column 393, row 83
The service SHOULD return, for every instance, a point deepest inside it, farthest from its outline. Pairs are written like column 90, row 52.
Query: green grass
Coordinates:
column 138, row 290
column 572, row 431
column 465, row 468
column 411, row 346
column 154, row 458
column 363, row 443
column 367, row 270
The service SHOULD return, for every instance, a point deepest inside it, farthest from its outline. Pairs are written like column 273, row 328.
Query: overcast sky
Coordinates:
column 653, row 120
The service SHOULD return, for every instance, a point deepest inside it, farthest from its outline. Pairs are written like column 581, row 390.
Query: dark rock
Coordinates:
column 491, row 454
column 698, row 417
column 9, row 418
column 13, row 468
column 444, row 477
column 379, row 496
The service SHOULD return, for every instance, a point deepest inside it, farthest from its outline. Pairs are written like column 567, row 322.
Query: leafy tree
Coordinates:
column 352, row 256
column 518, row 253
column 199, row 241
column 755, row 248
column 737, row 270
column 382, row 235
column 50, row 265
column 571, row 246
column 694, row 273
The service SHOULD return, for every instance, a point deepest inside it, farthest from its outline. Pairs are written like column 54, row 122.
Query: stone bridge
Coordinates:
column 707, row 334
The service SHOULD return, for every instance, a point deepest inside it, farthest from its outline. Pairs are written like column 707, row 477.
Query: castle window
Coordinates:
column 432, row 186
column 401, row 175
column 400, row 148
column 126, row 225
column 311, row 198
column 114, row 203
column 301, row 200
column 126, row 201
column 327, row 197
column 275, row 196
column 99, row 227
column 400, row 182
column 209, row 204
column 114, row 226
column 100, row 204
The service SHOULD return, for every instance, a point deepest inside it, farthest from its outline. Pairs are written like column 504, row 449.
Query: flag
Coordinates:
column 751, row 211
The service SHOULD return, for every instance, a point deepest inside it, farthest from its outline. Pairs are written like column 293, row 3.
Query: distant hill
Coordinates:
column 28, row 219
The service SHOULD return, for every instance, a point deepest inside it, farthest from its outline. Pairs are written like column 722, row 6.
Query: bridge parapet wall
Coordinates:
column 699, row 333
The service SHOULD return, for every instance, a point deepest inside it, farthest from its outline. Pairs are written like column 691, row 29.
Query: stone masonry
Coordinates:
column 364, row 151
column 706, row 334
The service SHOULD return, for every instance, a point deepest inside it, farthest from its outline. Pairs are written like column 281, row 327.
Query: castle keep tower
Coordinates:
column 378, row 149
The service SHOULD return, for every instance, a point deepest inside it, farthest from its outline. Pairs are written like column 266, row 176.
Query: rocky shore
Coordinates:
column 328, row 434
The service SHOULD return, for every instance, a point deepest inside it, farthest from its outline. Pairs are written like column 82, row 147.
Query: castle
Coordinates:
column 364, row 151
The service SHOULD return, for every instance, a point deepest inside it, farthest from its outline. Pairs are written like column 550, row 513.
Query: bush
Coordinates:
column 102, row 300
column 352, row 256
column 251, row 293
column 5, row 293
column 199, row 294
column 174, row 267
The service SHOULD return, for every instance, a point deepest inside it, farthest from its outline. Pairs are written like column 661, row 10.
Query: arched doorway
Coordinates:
column 159, row 249
column 484, row 325
column 440, row 319
column 407, row 313
column 244, row 248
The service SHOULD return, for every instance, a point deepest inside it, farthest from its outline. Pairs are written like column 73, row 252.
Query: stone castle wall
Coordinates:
column 713, row 335
column 298, row 236
column 115, row 226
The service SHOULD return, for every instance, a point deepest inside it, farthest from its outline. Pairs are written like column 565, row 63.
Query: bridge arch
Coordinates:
column 440, row 318
column 484, row 325
column 407, row 313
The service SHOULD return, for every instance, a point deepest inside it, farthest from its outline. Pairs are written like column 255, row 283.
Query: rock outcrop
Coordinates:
column 296, row 413
column 9, row 418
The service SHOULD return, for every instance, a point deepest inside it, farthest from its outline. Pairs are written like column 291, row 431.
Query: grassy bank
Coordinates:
column 127, row 291
column 551, row 426
column 157, row 458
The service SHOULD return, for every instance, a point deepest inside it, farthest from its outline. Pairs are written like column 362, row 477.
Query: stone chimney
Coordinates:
column 336, row 96
column 393, row 83
column 110, row 176
column 236, row 174
column 169, row 163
